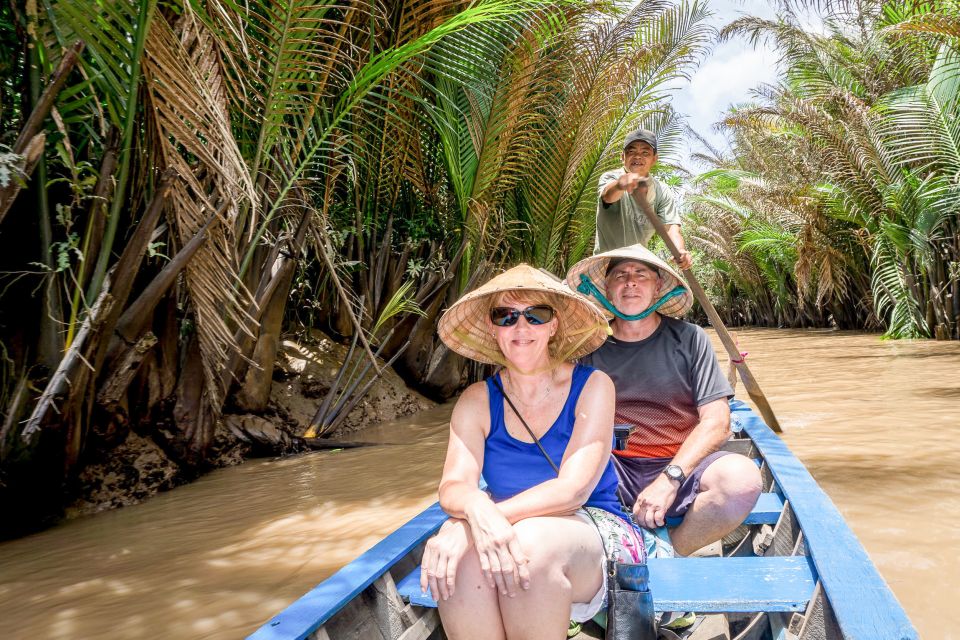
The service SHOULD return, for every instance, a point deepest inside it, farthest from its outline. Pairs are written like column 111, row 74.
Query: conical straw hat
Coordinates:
column 466, row 328
column 595, row 268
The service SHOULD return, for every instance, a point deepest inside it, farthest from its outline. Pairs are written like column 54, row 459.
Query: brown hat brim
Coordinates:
column 466, row 329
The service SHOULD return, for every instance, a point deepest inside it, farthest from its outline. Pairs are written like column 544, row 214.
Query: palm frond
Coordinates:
column 190, row 114
column 400, row 303
column 621, row 68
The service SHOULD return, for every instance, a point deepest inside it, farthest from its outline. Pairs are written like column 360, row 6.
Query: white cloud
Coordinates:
column 732, row 69
column 729, row 72
column 725, row 80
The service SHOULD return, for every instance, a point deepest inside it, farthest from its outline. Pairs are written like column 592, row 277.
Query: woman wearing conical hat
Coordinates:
column 526, row 555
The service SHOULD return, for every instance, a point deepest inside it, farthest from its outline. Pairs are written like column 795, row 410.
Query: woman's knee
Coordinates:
column 470, row 583
column 558, row 546
column 535, row 538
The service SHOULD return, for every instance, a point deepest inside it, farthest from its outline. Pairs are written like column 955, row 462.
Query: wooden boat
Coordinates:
column 793, row 569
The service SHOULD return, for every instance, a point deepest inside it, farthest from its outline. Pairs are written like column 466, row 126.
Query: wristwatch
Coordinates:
column 674, row 472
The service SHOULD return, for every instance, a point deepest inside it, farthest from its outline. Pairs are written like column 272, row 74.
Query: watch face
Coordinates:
column 674, row 472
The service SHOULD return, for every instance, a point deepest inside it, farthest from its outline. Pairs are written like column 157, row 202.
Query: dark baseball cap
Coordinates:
column 641, row 135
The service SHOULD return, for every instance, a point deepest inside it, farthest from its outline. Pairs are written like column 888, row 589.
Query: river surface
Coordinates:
column 876, row 422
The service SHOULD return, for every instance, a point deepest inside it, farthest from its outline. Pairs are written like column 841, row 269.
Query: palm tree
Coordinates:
column 367, row 162
column 874, row 210
column 237, row 128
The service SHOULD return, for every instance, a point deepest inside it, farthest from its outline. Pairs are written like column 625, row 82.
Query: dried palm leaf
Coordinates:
column 189, row 112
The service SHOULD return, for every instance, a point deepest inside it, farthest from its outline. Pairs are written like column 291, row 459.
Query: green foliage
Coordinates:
column 400, row 303
column 65, row 250
column 354, row 165
column 854, row 162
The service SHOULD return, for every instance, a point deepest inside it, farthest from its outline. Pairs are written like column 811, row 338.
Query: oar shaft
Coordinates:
column 749, row 382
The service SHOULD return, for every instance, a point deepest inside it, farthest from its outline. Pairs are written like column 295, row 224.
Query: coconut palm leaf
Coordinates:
column 400, row 303
column 320, row 146
column 491, row 126
column 940, row 19
column 185, row 82
column 621, row 69
column 857, row 150
column 115, row 33
column 890, row 291
column 922, row 127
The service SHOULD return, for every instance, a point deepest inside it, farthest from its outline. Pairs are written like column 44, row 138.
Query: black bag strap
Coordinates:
column 536, row 440
column 556, row 469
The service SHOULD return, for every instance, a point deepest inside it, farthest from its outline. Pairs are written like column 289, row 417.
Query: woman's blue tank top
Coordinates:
column 511, row 466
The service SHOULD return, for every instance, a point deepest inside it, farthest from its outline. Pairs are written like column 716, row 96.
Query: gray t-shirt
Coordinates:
column 623, row 222
column 661, row 381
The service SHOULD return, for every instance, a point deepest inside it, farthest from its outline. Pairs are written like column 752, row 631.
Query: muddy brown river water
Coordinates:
column 876, row 422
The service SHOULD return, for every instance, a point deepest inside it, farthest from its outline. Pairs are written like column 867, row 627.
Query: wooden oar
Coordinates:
column 753, row 388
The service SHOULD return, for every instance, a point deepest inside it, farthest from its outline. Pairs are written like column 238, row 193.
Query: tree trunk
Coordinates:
column 135, row 320
column 445, row 374
column 192, row 416
column 31, row 156
column 128, row 265
column 254, row 392
column 113, row 421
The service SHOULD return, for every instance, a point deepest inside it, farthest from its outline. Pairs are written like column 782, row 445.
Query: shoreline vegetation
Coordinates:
column 305, row 371
column 182, row 185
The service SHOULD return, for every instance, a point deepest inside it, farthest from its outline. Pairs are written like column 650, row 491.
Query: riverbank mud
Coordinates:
column 305, row 370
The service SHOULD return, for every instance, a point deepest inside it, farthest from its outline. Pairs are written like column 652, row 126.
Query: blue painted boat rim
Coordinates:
column 863, row 605
column 317, row 606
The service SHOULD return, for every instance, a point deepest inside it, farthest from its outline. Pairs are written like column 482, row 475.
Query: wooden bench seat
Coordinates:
column 706, row 585
column 710, row 584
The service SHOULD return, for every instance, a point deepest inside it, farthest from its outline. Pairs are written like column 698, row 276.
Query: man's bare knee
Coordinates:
column 732, row 475
column 731, row 486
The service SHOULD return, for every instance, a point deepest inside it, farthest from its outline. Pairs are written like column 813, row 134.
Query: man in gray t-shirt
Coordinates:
column 670, row 388
column 620, row 220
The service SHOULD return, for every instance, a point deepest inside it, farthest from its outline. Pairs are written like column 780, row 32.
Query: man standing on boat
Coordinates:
column 670, row 387
column 620, row 219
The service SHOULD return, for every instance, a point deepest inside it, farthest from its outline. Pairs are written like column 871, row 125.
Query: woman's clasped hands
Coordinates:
column 502, row 561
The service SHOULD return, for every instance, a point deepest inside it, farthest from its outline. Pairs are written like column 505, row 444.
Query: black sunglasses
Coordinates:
column 507, row 317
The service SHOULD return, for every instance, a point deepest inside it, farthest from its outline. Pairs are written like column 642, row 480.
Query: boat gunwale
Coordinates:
column 861, row 613
column 316, row 607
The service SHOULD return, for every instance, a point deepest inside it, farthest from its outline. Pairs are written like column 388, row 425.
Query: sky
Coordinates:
column 726, row 75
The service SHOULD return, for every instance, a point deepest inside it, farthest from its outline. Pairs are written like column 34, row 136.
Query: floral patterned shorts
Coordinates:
column 621, row 541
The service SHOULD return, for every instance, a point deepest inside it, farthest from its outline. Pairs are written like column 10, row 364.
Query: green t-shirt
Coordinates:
column 623, row 223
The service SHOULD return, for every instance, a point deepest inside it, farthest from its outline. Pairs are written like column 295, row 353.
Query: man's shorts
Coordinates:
column 637, row 473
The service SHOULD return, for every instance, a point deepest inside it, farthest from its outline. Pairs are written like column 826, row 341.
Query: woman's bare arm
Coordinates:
column 469, row 426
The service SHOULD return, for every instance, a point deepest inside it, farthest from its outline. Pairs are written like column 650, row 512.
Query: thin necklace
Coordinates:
column 516, row 396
